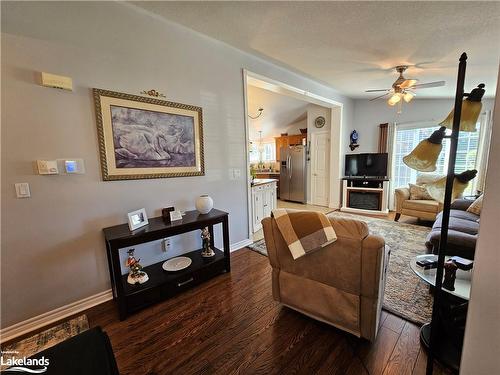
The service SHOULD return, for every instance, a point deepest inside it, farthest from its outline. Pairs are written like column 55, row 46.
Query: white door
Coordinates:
column 320, row 168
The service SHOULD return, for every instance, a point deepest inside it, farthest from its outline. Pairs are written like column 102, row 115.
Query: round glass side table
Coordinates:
column 452, row 314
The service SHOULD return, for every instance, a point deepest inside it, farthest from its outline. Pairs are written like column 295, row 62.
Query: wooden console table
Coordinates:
column 163, row 284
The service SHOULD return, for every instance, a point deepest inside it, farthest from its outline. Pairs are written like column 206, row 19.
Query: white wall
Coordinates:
column 481, row 350
column 52, row 246
column 369, row 115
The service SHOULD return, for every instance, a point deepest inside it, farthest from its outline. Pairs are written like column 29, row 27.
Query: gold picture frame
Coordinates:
column 141, row 138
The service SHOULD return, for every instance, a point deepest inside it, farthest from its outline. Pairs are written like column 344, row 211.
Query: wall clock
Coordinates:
column 319, row 122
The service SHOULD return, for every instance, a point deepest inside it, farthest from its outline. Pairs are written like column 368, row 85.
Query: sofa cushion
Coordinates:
column 462, row 234
column 476, row 206
column 421, row 205
column 461, row 224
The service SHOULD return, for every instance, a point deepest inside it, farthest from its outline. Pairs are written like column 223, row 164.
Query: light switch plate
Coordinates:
column 23, row 190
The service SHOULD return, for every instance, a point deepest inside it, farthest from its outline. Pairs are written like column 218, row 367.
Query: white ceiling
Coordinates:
column 279, row 112
column 353, row 46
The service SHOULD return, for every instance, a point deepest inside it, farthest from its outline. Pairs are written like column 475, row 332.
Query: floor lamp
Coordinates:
column 423, row 158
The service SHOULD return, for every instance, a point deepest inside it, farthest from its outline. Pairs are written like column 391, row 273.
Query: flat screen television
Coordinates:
column 369, row 165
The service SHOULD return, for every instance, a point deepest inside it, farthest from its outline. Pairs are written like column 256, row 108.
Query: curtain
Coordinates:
column 382, row 137
column 391, row 138
column 483, row 150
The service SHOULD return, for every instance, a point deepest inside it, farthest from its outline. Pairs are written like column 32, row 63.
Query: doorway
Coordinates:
column 321, row 141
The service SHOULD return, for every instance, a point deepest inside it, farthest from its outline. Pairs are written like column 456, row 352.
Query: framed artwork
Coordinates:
column 142, row 137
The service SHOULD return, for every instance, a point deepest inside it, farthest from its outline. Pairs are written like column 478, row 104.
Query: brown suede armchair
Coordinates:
column 341, row 284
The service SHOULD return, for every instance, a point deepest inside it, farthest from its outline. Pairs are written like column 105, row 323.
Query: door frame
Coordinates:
column 336, row 139
column 313, row 162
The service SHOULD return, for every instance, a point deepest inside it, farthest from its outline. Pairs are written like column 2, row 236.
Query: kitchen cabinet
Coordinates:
column 264, row 200
column 271, row 175
column 289, row 140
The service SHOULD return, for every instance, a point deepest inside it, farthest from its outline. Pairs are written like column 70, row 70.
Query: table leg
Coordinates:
column 225, row 238
column 117, row 275
column 451, row 331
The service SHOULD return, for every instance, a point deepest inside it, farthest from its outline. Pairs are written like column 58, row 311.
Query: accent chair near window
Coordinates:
column 425, row 209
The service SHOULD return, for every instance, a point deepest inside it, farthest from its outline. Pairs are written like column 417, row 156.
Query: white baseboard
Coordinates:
column 240, row 245
column 52, row 316
column 49, row 317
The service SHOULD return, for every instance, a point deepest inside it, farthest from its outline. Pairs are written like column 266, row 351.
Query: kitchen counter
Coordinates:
column 267, row 172
column 262, row 181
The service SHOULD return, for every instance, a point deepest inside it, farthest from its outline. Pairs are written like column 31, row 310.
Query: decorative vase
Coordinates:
column 204, row 204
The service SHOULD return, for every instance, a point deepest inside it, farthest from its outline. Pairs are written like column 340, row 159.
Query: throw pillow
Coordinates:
column 476, row 206
column 419, row 192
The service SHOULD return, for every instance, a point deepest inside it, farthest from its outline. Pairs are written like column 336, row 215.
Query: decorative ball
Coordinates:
column 204, row 204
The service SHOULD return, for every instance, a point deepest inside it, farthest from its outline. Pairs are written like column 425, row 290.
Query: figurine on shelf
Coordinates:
column 354, row 140
column 207, row 252
column 136, row 275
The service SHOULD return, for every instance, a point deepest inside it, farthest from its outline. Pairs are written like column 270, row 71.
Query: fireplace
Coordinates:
column 364, row 199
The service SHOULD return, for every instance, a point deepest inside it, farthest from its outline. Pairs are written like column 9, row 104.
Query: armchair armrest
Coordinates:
column 401, row 194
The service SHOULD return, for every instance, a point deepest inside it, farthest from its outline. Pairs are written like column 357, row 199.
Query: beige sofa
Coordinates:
column 422, row 209
column 341, row 284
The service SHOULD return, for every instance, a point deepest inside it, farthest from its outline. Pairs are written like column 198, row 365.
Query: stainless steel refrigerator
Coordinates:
column 293, row 173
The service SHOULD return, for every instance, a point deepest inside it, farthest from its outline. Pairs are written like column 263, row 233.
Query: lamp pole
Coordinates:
column 445, row 219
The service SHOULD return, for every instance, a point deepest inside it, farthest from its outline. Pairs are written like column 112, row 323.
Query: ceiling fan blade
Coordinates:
column 380, row 96
column 408, row 83
column 377, row 90
column 428, row 85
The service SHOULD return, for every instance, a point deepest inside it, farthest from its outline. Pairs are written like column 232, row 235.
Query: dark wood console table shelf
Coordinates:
column 163, row 284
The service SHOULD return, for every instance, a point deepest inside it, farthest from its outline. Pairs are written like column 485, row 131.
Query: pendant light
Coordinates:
column 471, row 108
column 423, row 158
column 437, row 189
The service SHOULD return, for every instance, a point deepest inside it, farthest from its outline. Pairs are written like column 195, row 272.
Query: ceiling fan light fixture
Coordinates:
column 394, row 99
column 408, row 83
column 408, row 96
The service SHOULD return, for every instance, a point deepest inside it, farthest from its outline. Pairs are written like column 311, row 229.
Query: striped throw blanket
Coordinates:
column 304, row 231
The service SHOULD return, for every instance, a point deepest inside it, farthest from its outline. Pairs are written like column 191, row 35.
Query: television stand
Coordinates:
column 365, row 195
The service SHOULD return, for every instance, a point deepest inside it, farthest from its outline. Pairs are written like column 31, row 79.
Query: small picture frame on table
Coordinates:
column 137, row 219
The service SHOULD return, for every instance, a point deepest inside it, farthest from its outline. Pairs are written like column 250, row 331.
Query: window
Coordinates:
column 408, row 138
column 267, row 152
column 254, row 152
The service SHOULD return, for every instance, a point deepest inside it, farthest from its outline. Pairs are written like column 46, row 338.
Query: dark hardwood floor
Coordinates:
column 231, row 324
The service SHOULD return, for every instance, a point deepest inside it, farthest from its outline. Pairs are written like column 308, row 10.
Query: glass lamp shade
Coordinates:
column 394, row 99
column 408, row 96
column 423, row 158
column 471, row 108
column 437, row 189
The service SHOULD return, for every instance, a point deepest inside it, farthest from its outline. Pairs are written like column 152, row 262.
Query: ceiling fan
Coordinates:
column 404, row 89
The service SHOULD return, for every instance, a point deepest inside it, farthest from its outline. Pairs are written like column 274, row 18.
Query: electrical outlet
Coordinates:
column 165, row 244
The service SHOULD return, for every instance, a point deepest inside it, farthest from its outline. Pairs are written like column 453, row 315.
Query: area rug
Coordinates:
column 46, row 339
column 405, row 294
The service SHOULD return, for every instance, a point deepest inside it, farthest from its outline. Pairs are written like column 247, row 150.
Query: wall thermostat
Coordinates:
column 56, row 81
column 73, row 166
column 47, row 167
